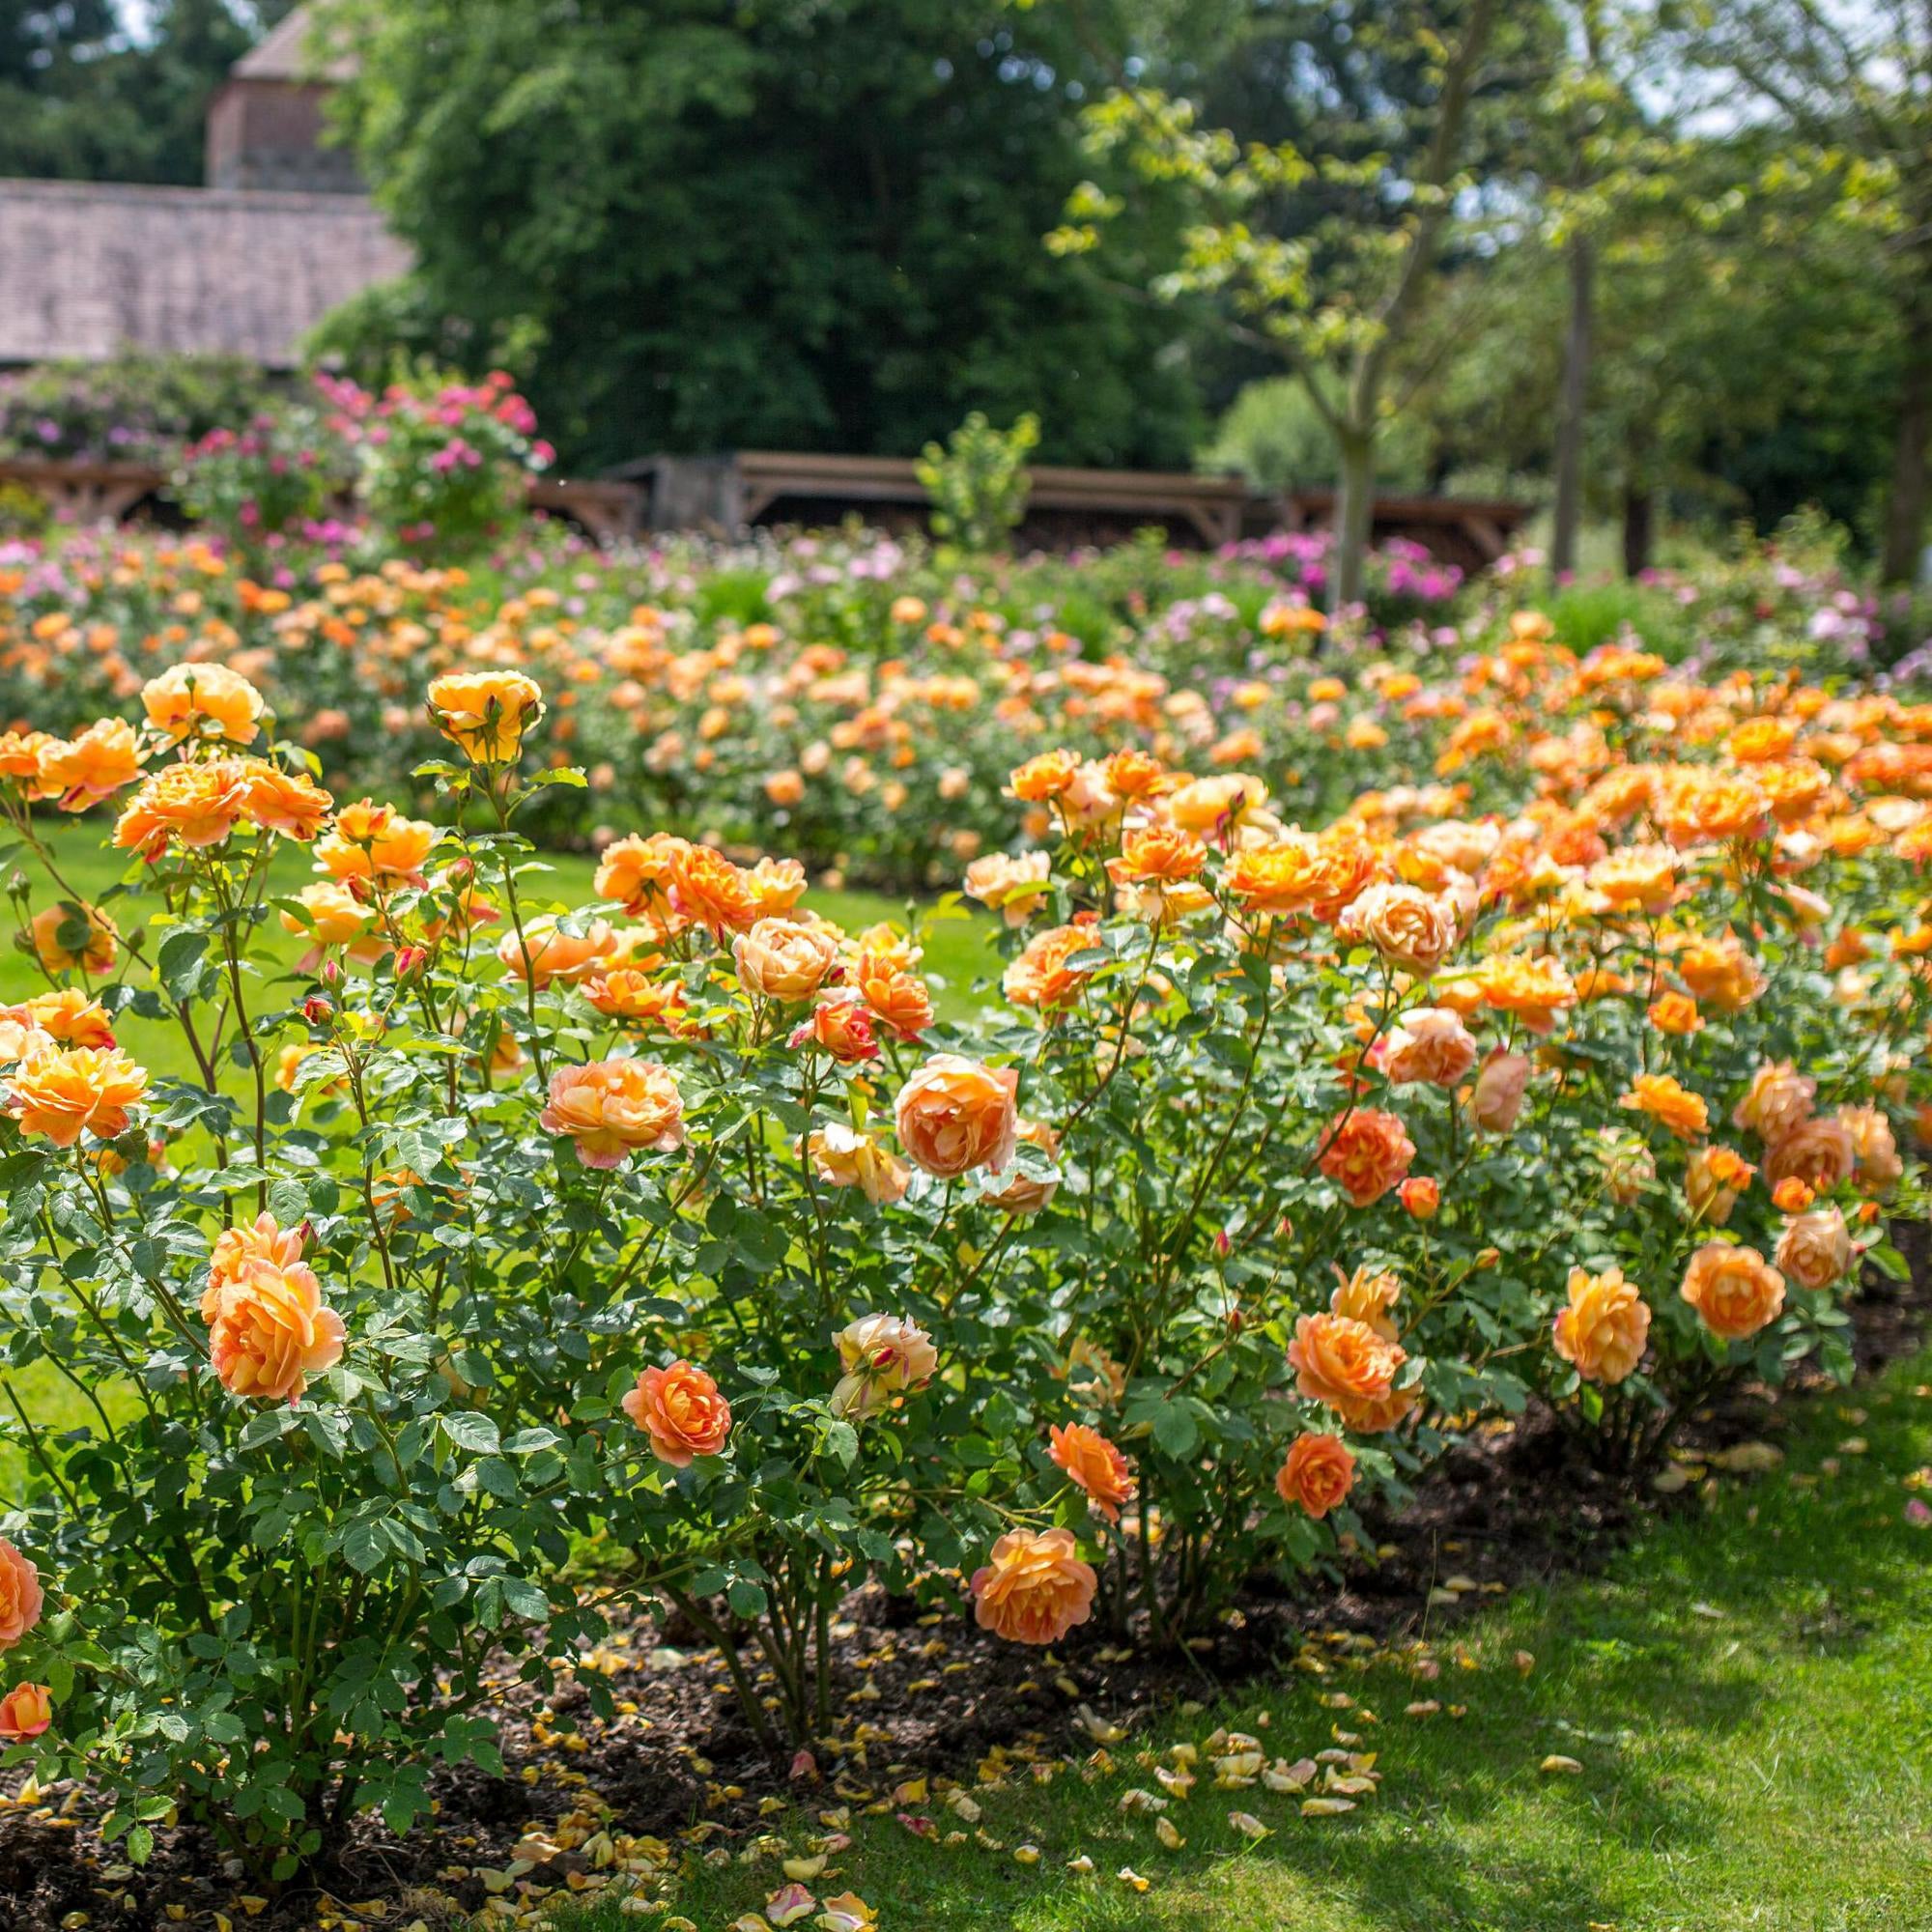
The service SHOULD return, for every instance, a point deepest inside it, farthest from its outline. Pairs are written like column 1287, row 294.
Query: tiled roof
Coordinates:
column 88, row 269
column 285, row 53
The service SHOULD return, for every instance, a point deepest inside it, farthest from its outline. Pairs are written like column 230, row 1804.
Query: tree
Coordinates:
column 811, row 224
column 1323, row 247
column 1854, row 83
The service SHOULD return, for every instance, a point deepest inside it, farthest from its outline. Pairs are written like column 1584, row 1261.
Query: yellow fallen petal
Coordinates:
column 1555, row 1762
column 1327, row 1807
column 1164, row 1830
column 1127, row 1875
column 1247, row 1824
column 1026, row 1855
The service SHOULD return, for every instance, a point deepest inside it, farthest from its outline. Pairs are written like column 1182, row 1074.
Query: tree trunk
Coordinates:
column 1905, row 507
column 1355, row 508
column 1640, row 518
column 1573, row 410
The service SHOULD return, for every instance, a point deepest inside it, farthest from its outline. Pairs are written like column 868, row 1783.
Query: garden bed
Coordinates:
column 920, row 1693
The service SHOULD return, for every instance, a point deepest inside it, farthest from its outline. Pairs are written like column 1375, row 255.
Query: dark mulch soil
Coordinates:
column 919, row 1691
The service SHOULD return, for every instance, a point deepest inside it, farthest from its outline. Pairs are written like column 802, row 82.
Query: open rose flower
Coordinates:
column 20, row 1595
column 1734, row 1290
column 1669, row 1104
column 63, row 1093
column 1094, row 1465
column 271, row 1331
column 1407, row 927
column 1815, row 1249
column 614, row 1108
column 1778, row 1099
column 1602, row 1330
column 1818, row 1152
column 845, row 1158
column 64, row 936
column 1034, row 1588
column 1342, row 1362
column 784, row 959
column 680, row 1410
column 1430, row 1044
column 1317, row 1474
column 841, row 1024
column 1367, row 1153
column 954, row 1115
column 208, row 700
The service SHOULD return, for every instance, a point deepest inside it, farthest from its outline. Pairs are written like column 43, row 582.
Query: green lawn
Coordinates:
column 1745, row 1691
column 958, row 954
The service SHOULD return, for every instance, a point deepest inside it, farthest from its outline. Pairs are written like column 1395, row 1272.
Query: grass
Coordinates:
column 958, row 954
column 1744, row 1690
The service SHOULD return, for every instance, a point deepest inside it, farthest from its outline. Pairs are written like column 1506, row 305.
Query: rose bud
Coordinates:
column 1793, row 1194
column 1488, row 1258
column 411, row 961
column 331, row 974
column 318, row 1010
column 1420, row 1196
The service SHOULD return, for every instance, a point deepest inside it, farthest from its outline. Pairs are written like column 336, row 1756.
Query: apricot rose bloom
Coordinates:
column 1818, row 1152
column 1407, row 926
column 1367, row 1296
column 25, row 1712
column 483, row 712
column 954, row 1115
column 1094, row 1465
column 62, row 1093
column 1603, row 1329
column 1815, row 1249
column 1497, row 1099
column 1032, row 1587
column 208, row 700
column 271, row 1331
column 266, row 1240
column 20, row 1595
column 80, row 772
column 1432, row 1044
column 841, row 1158
column 613, row 1108
column 1734, row 1290
column 1779, row 1098
column 1343, row 1362
column 1368, row 1153
column 1015, row 887
column 1668, row 1103
column 883, row 1356
column 784, row 959
column 1317, row 1474
column 842, row 1023
column 680, row 1410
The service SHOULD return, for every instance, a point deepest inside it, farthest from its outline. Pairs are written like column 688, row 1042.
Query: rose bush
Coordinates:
column 480, row 1239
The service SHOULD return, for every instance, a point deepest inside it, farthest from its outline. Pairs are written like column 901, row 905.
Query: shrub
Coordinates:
column 977, row 483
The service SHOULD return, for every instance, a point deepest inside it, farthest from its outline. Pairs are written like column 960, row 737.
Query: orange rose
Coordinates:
column 1779, row 1097
column 1876, row 1167
column 1735, row 1291
column 1638, row 878
column 266, row 1240
column 897, row 997
column 331, row 916
column 1421, row 1197
column 843, row 1025
column 376, row 842
column 1158, row 855
column 1317, row 1474
column 71, row 1017
column 613, row 1108
column 1792, row 1195
column 844, row 1158
column 1497, row 1098
column 1669, row 1104
column 544, row 952
column 203, row 700
column 20, row 1595
column 67, row 935
column 1094, row 1465
column 709, row 891
column 784, row 959
column 483, row 713
column 1675, row 1013
column 954, row 1115
column 1720, row 972
column 1602, row 1332
column 195, row 805
column 290, row 802
column 1815, row 1249
column 1342, row 1362
column 1013, row 888
column 1367, row 1153
column 61, row 1093
column 680, row 1410
column 272, row 1332
column 1040, row 976
column 1049, row 776
column 1534, row 990
column 1431, row 1044
column 637, row 873
column 25, row 1712
column 1408, row 928
column 1366, row 1296
column 1818, row 1152
column 83, row 771
column 1034, row 1588
column 1713, row 1181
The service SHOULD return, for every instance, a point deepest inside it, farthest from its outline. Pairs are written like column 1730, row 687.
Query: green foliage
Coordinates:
column 977, row 483
column 793, row 226
column 1273, row 435
column 134, row 408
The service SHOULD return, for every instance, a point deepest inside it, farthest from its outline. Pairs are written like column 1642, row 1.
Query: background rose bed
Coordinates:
column 1323, row 1115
